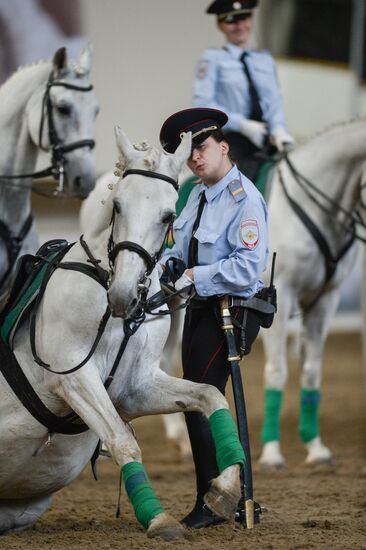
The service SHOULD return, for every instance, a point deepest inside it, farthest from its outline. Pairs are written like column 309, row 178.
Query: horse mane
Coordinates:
column 333, row 127
column 23, row 71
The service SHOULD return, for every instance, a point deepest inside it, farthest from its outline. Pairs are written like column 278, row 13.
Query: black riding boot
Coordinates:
column 204, row 456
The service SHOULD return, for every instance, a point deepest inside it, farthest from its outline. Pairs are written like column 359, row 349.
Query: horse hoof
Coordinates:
column 220, row 502
column 166, row 527
column 271, row 459
column 318, row 454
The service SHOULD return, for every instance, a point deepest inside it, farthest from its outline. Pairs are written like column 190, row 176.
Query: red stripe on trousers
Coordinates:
column 211, row 361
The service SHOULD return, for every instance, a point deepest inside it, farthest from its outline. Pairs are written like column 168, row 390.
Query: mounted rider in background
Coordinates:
column 243, row 83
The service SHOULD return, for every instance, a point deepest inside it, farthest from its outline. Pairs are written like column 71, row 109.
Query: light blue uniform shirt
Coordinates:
column 232, row 237
column 220, row 83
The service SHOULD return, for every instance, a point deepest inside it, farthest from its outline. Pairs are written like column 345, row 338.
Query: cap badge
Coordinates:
column 237, row 5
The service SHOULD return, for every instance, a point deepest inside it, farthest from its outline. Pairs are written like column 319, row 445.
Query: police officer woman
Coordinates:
column 221, row 237
column 243, row 83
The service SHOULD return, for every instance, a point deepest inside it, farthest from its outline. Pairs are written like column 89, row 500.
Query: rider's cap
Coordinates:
column 200, row 121
column 229, row 10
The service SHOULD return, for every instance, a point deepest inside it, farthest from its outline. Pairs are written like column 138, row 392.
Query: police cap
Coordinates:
column 230, row 10
column 200, row 121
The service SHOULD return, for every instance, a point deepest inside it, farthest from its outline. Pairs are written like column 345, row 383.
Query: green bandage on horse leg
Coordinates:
column 229, row 450
column 138, row 488
column 272, row 408
column 309, row 414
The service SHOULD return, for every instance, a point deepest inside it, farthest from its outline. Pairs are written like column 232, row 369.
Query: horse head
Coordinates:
column 143, row 210
column 61, row 120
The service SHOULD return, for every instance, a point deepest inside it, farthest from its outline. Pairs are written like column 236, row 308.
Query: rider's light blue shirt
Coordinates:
column 232, row 237
column 220, row 83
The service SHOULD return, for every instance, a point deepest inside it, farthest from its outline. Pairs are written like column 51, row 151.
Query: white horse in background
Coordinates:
column 48, row 106
column 330, row 165
column 141, row 207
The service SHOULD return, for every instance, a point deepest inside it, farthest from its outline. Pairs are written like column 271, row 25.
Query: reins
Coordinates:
column 312, row 191
column 103, row 277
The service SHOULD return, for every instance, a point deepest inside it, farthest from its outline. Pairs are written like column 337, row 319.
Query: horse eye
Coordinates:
column 168, row 218
column 64, row 110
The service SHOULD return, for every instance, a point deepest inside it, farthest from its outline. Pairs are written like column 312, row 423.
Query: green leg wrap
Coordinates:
column 225, row 435
column 138, row 488
column 272, row 408
column 309, row 414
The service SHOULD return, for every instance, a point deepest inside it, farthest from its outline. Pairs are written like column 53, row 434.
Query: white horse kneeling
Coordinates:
column 66, row 321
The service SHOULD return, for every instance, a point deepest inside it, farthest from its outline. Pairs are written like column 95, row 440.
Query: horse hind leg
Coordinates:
column 176, row 431
column 316, row 326
column 174, row 424
column 19, row 514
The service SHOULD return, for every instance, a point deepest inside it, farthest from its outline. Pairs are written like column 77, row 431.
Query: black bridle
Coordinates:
column 103, row 277
column 149, row 259
column 58, row 149
column 13, row 242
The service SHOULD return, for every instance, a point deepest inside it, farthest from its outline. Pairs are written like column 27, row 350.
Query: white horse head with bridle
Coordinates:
column 48, row 106
column 109, row 274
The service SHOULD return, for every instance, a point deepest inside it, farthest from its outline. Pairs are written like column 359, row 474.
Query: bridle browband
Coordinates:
column 150, row 174
column 58, row 149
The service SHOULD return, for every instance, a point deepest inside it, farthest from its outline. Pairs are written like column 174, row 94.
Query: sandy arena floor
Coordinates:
column 307, row 508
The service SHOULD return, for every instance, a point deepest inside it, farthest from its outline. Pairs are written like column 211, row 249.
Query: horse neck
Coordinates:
column 18, row 152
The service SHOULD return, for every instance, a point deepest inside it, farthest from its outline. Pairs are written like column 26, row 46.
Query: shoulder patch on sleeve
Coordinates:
column 249, row 233
column 237, row 190
column 202, row 69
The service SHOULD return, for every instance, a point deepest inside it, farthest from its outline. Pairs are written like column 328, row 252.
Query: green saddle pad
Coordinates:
column 29, row 277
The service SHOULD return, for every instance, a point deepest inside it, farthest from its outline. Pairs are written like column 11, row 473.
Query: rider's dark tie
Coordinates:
column 256, row 109
column 193, row 243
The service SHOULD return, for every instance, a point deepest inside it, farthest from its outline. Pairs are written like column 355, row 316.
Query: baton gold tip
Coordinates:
column 249, row 513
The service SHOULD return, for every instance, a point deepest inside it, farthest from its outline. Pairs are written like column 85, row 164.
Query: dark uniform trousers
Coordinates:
column 204, row 359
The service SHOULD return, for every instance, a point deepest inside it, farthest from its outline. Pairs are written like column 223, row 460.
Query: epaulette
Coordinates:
column 237, row 190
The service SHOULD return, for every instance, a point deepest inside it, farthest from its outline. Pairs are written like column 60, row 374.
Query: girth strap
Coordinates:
column 20, row 385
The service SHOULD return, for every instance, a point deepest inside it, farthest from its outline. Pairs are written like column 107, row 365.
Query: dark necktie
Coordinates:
column 193, row 243
column 256, row 110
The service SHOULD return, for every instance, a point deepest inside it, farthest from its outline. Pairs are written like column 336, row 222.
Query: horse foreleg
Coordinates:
column 316, row 326
column 86, row 395
column 164, row 394
column 275, row 377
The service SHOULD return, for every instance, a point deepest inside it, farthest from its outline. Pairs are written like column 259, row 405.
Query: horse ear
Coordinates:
column 182, row 153
column 86, row 58
column 60, row 59
column 124, row 145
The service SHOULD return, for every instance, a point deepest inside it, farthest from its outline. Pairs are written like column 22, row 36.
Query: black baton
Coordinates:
column 248, row 509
